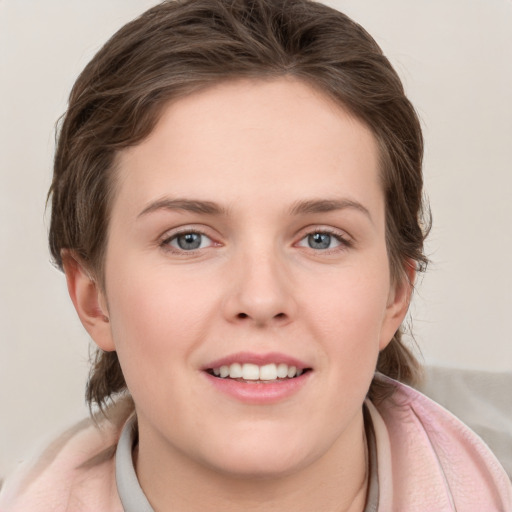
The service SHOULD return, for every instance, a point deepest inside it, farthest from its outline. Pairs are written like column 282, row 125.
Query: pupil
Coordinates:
column 319, row 241
column 189, row 241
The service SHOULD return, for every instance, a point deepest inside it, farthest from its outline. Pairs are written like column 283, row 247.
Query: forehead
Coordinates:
column 241, row 139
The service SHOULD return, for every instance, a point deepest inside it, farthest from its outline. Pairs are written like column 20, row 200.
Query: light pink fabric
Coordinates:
column 428, row 461
column 75, row 474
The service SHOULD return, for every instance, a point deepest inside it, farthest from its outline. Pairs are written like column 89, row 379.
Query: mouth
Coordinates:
column 258, row 378
column 251, row 373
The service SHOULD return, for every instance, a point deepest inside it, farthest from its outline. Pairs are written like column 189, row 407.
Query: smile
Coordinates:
column 252, row 372
column 258, row 379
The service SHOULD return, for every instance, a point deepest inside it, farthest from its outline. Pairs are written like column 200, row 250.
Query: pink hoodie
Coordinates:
column 428, row 461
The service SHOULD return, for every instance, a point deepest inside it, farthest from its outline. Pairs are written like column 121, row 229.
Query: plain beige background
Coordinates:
column 455, row 58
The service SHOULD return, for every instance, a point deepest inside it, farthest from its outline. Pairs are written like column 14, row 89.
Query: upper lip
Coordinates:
column 258, row 359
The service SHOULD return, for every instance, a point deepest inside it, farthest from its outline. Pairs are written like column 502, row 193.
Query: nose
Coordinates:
column 260, row 290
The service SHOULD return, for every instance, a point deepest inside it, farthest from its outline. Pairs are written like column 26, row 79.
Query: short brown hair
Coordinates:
column 181, row 46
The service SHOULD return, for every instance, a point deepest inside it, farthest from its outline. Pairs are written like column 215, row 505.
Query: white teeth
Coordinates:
column 250, row 371
column 282, row 371
column 268, row 372
column 235, row 371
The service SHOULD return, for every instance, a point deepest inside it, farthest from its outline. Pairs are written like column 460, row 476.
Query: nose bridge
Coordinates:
column 260, row 288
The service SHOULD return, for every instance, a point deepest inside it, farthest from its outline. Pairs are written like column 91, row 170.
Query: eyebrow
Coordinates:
column 328, row 205
column 299, row 208
column 189, row 205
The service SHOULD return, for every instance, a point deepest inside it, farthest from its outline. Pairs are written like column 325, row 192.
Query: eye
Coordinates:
column 323, row 240
column 188, row 241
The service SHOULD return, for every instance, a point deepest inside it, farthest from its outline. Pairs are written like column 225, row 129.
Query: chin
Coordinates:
column 262, row 459
column 259, row 469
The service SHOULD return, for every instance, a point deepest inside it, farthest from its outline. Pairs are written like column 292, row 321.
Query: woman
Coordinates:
column 237, row 207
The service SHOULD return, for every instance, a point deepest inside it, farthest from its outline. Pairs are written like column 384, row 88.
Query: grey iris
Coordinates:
column 189, row 241
column 319, row 240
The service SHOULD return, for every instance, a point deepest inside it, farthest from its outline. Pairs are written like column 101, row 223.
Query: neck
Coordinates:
column 335, row 482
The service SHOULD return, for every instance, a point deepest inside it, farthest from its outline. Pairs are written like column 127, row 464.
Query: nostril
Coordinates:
column 278, row 316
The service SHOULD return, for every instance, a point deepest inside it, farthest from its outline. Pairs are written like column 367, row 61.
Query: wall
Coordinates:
column 454, row 57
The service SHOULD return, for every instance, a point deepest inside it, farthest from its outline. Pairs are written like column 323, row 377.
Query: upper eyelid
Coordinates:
column 172, row 233
column 345, row 240
column 341, row 233
column 164, row 242
column 181, row 233
column 183, row 230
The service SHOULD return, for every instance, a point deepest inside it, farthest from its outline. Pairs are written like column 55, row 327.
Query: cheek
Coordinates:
column 152, row 308
column 154, row 333
column 349, row 318
column 350, row 300
column 157, row 318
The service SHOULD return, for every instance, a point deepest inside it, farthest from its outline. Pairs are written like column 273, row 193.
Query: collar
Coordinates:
column 134, row 500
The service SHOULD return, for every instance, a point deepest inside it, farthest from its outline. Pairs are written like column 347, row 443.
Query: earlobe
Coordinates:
column 398, row 304
column 89, row 301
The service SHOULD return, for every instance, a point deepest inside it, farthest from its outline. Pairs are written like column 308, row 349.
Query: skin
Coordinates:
column 256, row 149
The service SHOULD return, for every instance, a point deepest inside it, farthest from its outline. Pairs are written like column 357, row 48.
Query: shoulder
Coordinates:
column 75, row 473
column 435, row 461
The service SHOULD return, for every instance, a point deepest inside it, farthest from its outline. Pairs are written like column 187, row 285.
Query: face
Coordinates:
column 247, row 281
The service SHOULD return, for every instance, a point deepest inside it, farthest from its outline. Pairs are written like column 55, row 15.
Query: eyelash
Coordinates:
column 166, row 241
column 344, row 241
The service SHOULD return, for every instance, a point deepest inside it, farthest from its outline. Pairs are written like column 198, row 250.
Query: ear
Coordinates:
column 398, row 303
column 89, row 301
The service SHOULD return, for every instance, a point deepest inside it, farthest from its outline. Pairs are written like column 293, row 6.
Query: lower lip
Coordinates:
column 259, row 393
